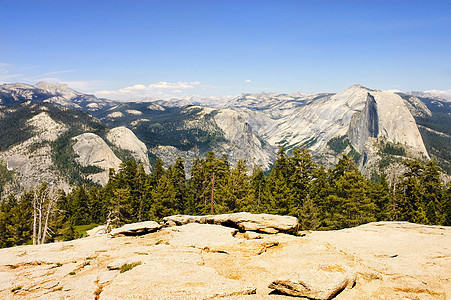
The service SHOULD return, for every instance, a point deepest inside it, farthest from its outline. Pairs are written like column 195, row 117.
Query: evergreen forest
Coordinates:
column 321, row 199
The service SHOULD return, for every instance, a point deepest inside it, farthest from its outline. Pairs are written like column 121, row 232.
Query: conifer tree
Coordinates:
column 164, row 198
column 178, row 180
column 302, row 167
column 278, row 193
column 257, row 189
column 80, row 206
column 158, row 171
column 410, row 191
column 379, row 192
column 236, row 192
column 15, row 220
column 433, row 192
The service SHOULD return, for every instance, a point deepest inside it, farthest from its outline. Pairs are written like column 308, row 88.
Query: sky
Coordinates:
column 165, row 48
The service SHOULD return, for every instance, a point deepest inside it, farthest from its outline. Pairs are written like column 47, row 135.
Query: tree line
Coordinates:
column 321, row 199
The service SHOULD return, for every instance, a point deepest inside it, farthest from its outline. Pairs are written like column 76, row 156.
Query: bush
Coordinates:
column 127, row 267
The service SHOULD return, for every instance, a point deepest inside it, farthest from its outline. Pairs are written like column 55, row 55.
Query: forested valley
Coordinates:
column 321, row 199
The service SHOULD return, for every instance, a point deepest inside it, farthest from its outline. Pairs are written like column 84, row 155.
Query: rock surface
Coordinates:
column 124, row 138
column 390, row 260
column 243, row 221
column 320, row 283
column 93, row 151
column 32, row 159
column 135, row 229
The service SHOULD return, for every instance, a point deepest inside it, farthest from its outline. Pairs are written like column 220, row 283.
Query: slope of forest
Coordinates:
column 321, row 199
column 39, row 145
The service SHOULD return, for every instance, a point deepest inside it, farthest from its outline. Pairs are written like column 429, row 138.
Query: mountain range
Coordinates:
column 53, row 133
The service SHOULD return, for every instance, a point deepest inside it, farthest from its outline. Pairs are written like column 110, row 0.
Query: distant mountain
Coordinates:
column 42, row 141
column 378, row 129
column 433, row 94
column 56, row 93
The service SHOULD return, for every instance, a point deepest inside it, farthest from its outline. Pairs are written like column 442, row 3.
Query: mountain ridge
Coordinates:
column 361, row 122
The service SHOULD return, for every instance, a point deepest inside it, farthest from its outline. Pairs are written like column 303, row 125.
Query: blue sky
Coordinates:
column 127, row 49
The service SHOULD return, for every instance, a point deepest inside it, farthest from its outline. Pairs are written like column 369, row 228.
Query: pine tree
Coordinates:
column 303, row 168
column 164, row 199
column 256, row 190
column 119, row 210
column 410, row 191
column 309, row 216
column 80, row 206
column 158, row 171
column 379, row 192
column 432, row 192
column 15, row 221
column 278, row 194
column 178, row 179
column 208, row 178
column 236, row 192
column 357, row 208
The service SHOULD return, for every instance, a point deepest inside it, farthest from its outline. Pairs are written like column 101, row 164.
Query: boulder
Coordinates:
column 319, row 283
column 243, row 221
column 135, row 229
column 96, row 231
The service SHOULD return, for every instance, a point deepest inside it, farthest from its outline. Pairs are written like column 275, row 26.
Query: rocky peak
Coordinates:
column 92, row 150
column 60, row 89
column 124, row 138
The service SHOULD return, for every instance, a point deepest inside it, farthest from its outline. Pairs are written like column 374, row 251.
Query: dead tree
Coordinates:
column 44, row 201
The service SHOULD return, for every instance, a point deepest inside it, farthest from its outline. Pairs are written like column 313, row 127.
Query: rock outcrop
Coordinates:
column 135, row 229
column 124, row 138
column 384, row 260
column 320, row 283
column 93, row 151
column 243, row 221
column 31, row 160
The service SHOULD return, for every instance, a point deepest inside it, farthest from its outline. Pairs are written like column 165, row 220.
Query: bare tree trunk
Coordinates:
column 52, row 198
column 212, row 209
column 40, row 220
column 34, row 217
column 108, row 221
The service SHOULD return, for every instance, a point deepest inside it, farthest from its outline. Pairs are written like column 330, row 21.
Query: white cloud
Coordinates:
column 439, row 92
column 86, row 86
column 6, row 75
column 59, row 72
column 248, row 81
column 160, row 89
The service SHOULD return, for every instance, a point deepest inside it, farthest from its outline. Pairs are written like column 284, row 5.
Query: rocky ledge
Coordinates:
column 203, row 260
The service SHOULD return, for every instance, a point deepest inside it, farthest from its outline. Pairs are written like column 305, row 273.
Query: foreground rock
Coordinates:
column 321, row 283
column 243, row 221
column 135, row 229
column 386, row 260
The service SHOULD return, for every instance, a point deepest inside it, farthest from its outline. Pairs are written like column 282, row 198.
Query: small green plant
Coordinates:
column 72, row 273
column 127, row 267
column 17, row 288
column 58, row 265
